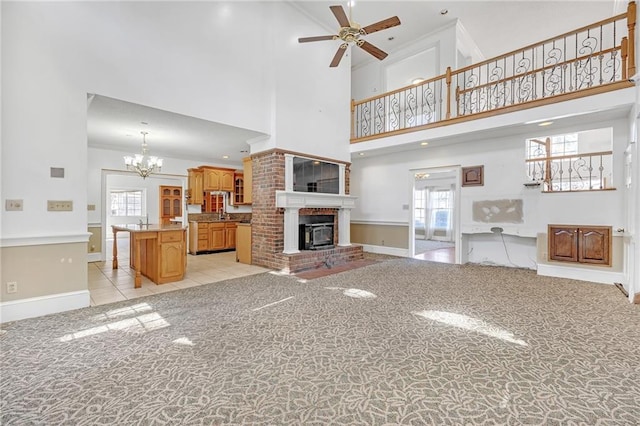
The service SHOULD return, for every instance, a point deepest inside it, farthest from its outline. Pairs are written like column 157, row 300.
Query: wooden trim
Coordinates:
column 448, row 81
column 631, row 26
column 624, row 52
column 562, row 157
column 503, row 110
column 540, row 43
column 402, row 89
column 636, row 299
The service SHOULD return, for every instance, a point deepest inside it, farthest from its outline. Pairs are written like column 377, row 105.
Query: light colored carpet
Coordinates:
column 397, row 342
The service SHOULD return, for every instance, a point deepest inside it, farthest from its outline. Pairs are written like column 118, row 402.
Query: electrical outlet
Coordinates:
column 13, row 205
column 12, row 287
column 59, row 206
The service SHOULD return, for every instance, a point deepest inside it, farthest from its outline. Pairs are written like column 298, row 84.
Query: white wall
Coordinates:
column 369, row 79
column 382, row 184
column 229, row 62
column 53, row 54
column 311, row 101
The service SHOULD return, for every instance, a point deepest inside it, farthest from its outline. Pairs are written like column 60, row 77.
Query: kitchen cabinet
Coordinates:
column 155, row 251
column 170, row 203
column 238, row 189
column 196, row 186
column 243, row 243
column 248, row 180
column 198, row 237
column 580, row 244
column 216, row 179
column 230, row 235
column 171, row 261
column 216, row 236
column 211, row 236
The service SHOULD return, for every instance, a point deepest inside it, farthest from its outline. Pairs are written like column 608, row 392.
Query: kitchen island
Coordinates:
column 156, row 251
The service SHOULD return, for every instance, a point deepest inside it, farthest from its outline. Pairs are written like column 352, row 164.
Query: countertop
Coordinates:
column 152, row 227
column 220, row 221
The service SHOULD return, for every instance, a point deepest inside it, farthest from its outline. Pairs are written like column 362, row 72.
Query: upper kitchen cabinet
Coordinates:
column 196, row 186
column 248, row 180
column 216, row 179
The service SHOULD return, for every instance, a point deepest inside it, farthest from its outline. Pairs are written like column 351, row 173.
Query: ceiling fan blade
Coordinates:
column 317, row 38
column 338, row 56
column 382, row 25
column 370, row 48
column 338, row 12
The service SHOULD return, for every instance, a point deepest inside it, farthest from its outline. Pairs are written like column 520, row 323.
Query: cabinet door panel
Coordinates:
column 171, row 260
column 216, row 239
column 563, row 243
column 594, row 245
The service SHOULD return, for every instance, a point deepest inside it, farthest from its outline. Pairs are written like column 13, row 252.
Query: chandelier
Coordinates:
column 143, row 164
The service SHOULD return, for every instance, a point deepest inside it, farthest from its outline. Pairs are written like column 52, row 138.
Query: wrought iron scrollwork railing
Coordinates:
column 579, row 172
column 600, row 57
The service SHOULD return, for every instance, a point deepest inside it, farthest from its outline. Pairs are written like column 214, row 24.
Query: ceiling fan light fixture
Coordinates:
column 350, row 33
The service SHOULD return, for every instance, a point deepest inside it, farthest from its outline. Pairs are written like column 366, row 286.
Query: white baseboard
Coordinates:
column 94, row 257
column 582, row 274
column 43, row 305
column 391, row 251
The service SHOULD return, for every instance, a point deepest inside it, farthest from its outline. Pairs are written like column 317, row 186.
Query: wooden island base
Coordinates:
column 156, row 251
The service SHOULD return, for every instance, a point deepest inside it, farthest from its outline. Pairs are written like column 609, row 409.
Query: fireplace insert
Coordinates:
column 315, row 236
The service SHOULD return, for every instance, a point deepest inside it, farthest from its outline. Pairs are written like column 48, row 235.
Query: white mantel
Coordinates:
column 300, row 200
column 292, row 202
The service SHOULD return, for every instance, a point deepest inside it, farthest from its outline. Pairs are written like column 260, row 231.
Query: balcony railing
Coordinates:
column 593, row 59
column 579, row 172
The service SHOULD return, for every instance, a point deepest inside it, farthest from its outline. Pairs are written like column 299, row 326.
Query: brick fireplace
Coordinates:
column 276, row 213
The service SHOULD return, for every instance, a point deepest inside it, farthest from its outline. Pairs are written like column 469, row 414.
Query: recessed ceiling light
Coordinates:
column 424, row 143
column 546, row 123
column 225, row 156
column 361, row 153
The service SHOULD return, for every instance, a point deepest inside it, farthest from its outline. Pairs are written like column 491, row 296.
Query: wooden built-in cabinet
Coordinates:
column 216, row 179
column 196, row 186
column 170, row 203
column 238, row 189
column 582, row 244
column 248, row 180
column 211, row 236
column 243, row 243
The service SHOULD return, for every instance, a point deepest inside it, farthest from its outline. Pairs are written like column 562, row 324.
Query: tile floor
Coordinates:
column 108, row 285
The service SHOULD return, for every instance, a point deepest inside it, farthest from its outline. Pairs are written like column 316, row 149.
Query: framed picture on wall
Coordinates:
column 473, row 176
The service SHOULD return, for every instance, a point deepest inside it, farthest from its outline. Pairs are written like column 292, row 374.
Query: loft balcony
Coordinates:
column 591, row 60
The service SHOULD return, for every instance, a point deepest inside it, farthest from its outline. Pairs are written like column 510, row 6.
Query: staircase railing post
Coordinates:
column 353, row 121
column 631, row 25
column 448, row 80
column 624, row 52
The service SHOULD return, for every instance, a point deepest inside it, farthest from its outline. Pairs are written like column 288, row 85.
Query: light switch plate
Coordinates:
column 59, row 205
column 13, row 205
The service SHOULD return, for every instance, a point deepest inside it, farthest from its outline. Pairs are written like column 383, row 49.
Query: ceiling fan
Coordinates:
column 351, row 32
